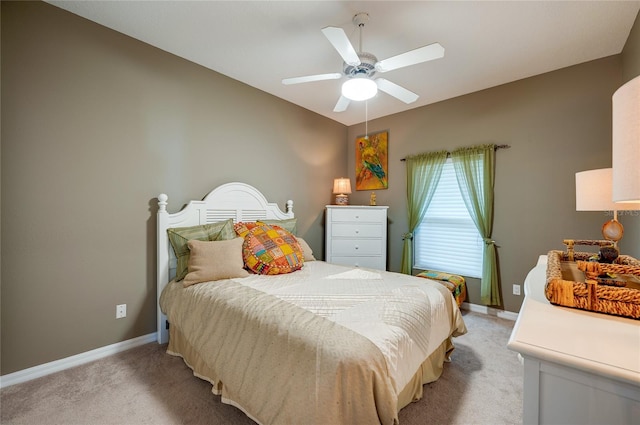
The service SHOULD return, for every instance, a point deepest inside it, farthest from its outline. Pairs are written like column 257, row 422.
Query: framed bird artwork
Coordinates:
column 372, row 162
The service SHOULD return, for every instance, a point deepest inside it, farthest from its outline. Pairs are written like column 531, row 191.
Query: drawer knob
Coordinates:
column 357, row 247
column 357, row 231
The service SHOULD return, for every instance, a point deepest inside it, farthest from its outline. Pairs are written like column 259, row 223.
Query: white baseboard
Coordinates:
column 509, row 315
column 69, row 362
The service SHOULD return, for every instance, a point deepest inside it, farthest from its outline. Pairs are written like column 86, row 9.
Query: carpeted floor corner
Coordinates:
column 482, row 385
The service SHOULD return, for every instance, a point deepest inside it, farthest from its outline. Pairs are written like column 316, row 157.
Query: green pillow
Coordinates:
column 179, row 236
column 289, row 224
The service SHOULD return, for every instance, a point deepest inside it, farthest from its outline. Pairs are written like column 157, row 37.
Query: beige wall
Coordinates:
column 95, row 126
column 557, row 124
column 631, row 53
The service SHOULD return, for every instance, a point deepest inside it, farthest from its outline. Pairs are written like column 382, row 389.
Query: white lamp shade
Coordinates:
column 359, row 88
column 342, row 186
column 593, row 192
column 626, row 142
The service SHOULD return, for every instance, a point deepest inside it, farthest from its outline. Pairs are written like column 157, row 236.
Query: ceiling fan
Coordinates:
column 360, row 67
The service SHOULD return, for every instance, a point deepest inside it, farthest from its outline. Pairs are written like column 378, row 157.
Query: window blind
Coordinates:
column 447, row 239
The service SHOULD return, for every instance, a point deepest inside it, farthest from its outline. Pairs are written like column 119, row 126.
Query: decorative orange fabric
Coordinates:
column 455, row 283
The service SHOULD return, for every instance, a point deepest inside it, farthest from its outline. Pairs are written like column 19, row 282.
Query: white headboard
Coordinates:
column 238, row 201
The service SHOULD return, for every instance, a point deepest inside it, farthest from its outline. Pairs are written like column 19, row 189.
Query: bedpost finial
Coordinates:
column 289, row 206
column 162, row 202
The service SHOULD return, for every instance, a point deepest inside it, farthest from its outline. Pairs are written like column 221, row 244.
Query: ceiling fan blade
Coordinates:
column 310, row 78
column 341, row 43
column 396, row 91
column 412, row 57
column 342, row 104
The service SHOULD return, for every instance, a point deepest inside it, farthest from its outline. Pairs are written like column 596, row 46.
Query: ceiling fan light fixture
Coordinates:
column 360, row 67
column 359, row 88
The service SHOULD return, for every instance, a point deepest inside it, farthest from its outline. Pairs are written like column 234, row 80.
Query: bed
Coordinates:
column 316, row 344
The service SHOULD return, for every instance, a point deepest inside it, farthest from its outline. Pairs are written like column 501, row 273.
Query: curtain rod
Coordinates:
column 497, row 147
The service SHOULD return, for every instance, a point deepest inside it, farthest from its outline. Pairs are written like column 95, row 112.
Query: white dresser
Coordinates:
column 580, row 367
column 356, row 236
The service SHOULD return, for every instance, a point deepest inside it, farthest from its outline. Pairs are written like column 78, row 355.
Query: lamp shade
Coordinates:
column 593, row 192
column 341, row 186
column 626, row 142
column 359, row 88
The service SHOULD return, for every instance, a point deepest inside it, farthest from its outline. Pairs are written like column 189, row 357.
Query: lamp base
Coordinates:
column 612, row 230
column 342, row 200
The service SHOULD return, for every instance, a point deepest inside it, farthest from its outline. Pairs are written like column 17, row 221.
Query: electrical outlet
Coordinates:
column 516, row 289
column 121, row 311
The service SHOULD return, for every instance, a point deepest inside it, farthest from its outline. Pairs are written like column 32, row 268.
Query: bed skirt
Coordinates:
column 429, row 371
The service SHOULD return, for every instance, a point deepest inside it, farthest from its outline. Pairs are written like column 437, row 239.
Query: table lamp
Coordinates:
column 594, row 193
column 341, row 188
column 626, row 142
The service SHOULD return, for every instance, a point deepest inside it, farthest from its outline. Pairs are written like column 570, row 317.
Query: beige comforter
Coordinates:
column 281, row 363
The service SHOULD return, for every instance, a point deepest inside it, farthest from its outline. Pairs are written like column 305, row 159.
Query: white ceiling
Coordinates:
column 487, row 43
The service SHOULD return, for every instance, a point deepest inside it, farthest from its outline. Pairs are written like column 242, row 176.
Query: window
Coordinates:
column 447, row 239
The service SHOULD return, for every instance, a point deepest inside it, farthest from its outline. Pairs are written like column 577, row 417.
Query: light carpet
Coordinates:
column 482, row 385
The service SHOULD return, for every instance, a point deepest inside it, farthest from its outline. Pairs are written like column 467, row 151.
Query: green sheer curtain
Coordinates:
column 423, row 174
column 475, row 171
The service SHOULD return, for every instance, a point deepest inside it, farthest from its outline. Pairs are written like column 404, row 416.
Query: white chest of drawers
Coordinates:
column 580, row 367
column 356, row 236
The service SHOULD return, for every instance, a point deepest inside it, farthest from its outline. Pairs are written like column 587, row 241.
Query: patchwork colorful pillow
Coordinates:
column 271, row 250
column 179, row 236
column 242, row 227
column 289, row 224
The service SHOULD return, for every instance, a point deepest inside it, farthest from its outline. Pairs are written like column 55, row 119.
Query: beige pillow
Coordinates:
column 220, row 231
column 214, row 261
column 306, row 250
